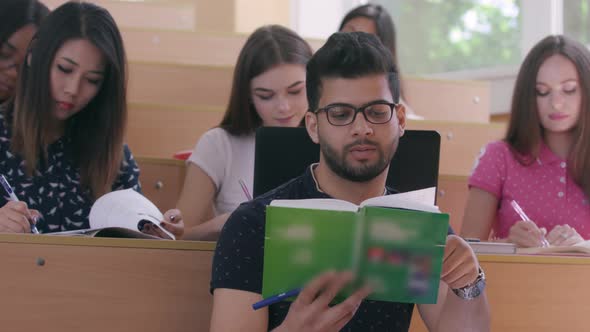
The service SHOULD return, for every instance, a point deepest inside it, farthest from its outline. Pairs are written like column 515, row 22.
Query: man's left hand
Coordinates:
column 460, row 266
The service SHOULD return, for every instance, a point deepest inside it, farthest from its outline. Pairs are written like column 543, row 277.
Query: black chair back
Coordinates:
column 284, row 153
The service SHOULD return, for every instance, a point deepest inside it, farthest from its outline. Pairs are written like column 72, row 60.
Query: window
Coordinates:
column 435, row 36
column 576, row 23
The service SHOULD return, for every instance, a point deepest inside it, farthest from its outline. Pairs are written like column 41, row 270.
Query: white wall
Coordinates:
column 319, row 18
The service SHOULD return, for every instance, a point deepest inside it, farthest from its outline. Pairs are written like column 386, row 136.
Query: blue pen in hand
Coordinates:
column 13, row 197
column 276, row 298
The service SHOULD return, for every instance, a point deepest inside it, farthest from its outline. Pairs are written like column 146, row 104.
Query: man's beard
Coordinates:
column 363, row 173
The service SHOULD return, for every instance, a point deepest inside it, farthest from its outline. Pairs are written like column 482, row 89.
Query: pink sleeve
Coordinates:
column 489, row 171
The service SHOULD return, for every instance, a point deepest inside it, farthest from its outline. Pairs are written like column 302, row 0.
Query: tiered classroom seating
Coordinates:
column 171, row 105
column 181, row 55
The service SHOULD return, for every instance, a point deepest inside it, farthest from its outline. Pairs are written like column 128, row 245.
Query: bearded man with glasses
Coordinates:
column 352, row 73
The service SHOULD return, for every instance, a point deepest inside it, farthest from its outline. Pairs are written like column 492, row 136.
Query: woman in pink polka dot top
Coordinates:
column 543, row 163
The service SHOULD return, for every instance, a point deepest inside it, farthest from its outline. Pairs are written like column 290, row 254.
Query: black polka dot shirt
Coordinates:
column 55, row 188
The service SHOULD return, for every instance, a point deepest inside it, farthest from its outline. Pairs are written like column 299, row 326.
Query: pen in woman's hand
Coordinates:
column 13, row 197
column 245, row 189
column 524, row 217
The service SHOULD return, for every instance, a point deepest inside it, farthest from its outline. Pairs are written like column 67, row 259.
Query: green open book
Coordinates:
column 394, row 243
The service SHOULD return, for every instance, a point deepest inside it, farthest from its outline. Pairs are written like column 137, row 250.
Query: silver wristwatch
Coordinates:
column 474, row 289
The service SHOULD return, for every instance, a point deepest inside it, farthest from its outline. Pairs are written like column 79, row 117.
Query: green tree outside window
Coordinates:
column 576, row 20
column 435, row 36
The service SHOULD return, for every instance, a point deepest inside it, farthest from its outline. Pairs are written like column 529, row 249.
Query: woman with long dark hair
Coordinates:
column 542, row 166
column 61, row 138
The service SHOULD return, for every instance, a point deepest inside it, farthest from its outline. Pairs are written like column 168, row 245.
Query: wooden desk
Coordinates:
column 535, row 293
column 93, row 284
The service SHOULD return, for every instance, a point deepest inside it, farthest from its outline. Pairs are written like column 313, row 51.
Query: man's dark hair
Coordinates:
column 350, row 55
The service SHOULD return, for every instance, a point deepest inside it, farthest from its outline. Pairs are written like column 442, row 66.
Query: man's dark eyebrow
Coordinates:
column 98, row 72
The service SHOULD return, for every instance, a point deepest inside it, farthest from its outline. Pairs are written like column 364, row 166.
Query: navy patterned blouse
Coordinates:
column 55, row 188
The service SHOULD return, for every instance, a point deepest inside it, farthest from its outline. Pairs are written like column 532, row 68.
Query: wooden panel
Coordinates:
column 526, row 297
column 189, row 84
column 218, row 15
column 523, row 301
column 446, row 100
column 182, row 47
column 160, row 131
column 132, row 285
column 90, row 288
column 164, row 84
column 170, row 14
column 461, row 143
column 501, row 118
column 252, row 14
column 452, row 197
column 161, row 180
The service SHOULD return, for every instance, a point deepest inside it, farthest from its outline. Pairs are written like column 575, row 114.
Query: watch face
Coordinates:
column 475, row 290
column 471, row 292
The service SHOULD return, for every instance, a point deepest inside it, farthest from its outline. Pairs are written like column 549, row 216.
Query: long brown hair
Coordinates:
column 267, row 47
column 94, row 136
column 384, row 26
column 525, row 131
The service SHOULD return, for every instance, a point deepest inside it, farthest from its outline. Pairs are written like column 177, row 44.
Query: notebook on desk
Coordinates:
column 582, row 248
column 284, row 153
column 493, row 247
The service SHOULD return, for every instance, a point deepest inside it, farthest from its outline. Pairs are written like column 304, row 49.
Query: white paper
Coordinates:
column 420, row 200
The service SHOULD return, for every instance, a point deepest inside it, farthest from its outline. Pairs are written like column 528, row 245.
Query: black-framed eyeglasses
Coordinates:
column 376, row 112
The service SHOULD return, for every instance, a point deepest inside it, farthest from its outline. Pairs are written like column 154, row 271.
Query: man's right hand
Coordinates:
column 15, row 217
column 311, row 310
